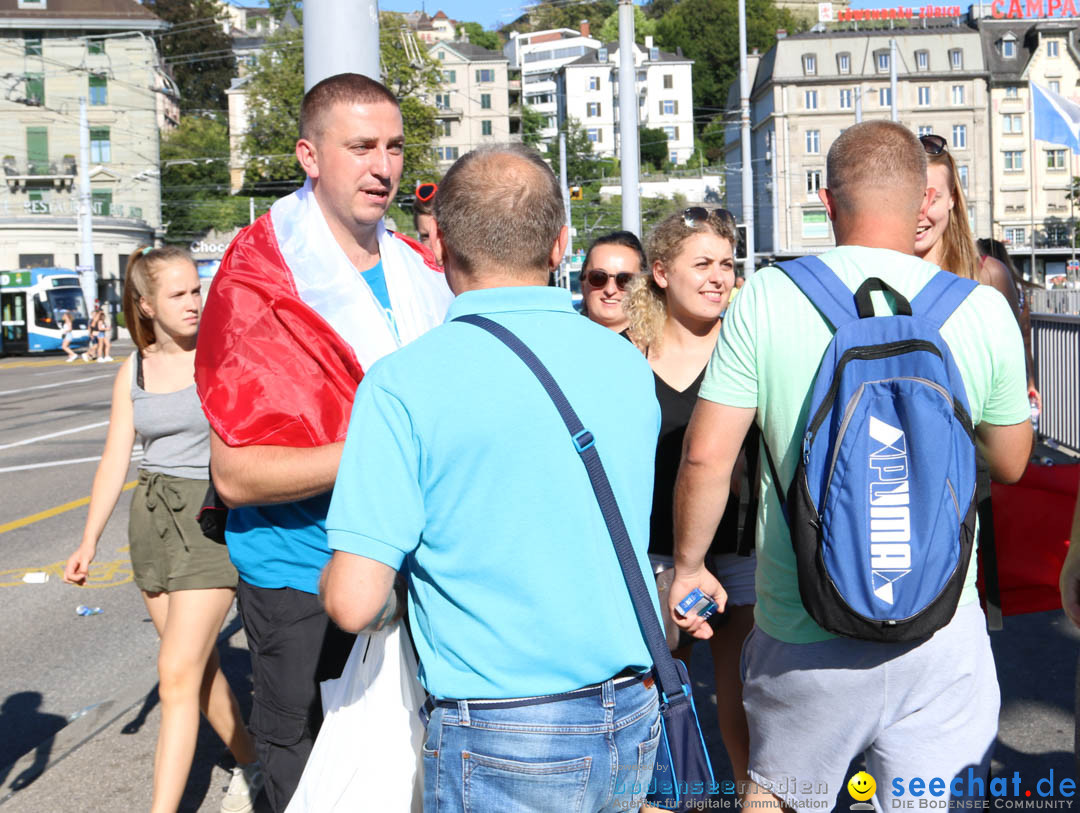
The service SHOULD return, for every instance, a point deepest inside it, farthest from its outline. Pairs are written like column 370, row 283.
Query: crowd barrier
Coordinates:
column 1055, row 345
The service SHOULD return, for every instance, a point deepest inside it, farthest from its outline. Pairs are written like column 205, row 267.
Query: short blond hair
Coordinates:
column 875, row 161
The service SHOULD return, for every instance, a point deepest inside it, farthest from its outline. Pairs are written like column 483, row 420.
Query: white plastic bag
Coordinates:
column 367, row 754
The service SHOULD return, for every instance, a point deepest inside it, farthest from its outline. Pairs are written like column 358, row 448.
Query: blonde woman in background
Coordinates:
column 186, row 579
column 946, row 240
column 675, row 314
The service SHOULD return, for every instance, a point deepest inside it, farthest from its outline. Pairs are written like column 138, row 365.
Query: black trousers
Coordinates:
column 294, row 645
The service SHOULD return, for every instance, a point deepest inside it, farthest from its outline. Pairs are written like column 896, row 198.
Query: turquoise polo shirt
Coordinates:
column 458, row 468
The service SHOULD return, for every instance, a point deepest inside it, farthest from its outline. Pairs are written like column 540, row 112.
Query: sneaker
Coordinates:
column 85, row 357
column 108, row 358
column 244, row 787
column 100, row 359
column 70, row 359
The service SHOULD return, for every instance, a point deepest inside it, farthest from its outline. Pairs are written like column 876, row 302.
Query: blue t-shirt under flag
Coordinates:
column 376, row 280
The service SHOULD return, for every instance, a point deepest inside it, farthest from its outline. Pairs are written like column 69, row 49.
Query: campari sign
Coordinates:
column 1017, row 9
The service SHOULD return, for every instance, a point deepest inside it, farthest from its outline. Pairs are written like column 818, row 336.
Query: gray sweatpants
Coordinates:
column 916, row 710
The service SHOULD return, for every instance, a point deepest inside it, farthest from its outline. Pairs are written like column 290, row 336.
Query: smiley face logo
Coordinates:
column 861, row 786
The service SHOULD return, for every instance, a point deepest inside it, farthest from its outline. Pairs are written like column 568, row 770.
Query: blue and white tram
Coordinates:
column 33, row 302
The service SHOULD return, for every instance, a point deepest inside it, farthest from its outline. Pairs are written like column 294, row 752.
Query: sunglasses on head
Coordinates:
column 598, row 279
column 933, row 144
column 426, row 191
column 696, row 215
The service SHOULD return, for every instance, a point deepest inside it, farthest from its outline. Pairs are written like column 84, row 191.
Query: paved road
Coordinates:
column 100, row 669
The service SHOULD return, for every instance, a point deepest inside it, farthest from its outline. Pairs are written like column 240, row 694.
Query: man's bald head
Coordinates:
column 499, row 209
column 875, row 164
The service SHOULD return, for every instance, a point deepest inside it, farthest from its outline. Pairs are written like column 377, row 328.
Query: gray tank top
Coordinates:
column 174, row 431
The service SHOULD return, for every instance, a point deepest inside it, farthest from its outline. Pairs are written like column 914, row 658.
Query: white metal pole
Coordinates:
column 87, row 274
column 1031, row 164
column 858, row 105
column 564, row 184
column 340, row 36
column 629, row 158
column 251, row 210
column 892, row 81
column 747, row 167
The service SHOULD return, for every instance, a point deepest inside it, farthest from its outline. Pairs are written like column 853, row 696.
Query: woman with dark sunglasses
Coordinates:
column 947, row 241
column 675, row 313
column 610, row 264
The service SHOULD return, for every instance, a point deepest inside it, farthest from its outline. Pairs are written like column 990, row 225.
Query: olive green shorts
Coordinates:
column 168, row 549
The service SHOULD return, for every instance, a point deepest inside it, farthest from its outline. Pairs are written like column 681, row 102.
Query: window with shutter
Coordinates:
column 37, row 149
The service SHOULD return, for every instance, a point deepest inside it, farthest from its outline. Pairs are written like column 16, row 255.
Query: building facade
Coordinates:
column 809, row 87
column 539, row 57
column 1033, row 177
column 56, row 52
column 966, row 78
column 664, row 90
column 474, row 105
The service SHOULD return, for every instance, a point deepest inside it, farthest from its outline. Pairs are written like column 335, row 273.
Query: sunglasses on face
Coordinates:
column 426, row 191
column 696, row 215
column 598, row 279
column 933, row 144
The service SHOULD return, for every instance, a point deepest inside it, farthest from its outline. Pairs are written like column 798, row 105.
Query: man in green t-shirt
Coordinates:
column 814, row 702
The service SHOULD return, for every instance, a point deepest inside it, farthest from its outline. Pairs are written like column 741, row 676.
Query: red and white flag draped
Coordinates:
column 290, row 326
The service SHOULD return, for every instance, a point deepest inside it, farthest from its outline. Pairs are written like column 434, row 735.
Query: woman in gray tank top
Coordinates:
column 186, row 579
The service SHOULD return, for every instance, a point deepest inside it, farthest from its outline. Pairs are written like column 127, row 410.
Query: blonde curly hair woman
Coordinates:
column 675, row 314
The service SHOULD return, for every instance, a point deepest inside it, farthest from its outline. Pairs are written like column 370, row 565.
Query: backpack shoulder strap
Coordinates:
column 941, row 296
column 822, row 287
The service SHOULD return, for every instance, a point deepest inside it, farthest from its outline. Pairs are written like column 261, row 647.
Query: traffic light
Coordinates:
column 740, row 242
column 575, row 193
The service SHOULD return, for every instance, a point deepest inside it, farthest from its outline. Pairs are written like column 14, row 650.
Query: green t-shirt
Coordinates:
column 768, row 354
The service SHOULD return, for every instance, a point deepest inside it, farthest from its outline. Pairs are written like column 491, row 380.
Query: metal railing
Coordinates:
column 1055, row 345
column 1060, row 301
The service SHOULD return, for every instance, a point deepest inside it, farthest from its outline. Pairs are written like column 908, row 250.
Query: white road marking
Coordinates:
column 28, row 441
column 134, row 456
column 54, row 384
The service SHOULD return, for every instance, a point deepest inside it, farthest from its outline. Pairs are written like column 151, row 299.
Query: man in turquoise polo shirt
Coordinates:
column 814, row 701
column 514, row 587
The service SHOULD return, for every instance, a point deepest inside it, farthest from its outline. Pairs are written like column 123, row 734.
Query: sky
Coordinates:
column 495, row 13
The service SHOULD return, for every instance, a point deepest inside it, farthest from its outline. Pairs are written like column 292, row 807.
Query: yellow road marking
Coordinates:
column 52, row 512
column 102, row 574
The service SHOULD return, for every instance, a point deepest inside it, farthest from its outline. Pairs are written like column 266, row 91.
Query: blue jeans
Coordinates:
column 584, row 755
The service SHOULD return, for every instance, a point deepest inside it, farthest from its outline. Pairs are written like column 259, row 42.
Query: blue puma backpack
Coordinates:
column 882, row 507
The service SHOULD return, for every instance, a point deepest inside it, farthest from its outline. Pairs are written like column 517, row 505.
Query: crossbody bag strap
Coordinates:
column 668, row 677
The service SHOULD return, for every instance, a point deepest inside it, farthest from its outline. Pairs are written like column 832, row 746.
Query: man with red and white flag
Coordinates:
column 307, row 298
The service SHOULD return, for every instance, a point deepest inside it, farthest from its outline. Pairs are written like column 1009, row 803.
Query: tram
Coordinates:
column 33, row 302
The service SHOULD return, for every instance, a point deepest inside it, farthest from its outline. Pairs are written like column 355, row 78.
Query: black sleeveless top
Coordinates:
column 675, row 410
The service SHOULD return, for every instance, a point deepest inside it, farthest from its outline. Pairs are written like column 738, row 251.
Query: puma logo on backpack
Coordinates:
column 882, row 507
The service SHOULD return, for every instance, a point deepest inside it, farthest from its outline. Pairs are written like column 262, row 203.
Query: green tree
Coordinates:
column 532, row 122
column 195, row 180
column 197, row 51
column 478, row 36
column 559, row 14
column 609, row 30
column 708, row 31
column 653, row 146
column 276, row 88
column 582, row 165
column 713, row 138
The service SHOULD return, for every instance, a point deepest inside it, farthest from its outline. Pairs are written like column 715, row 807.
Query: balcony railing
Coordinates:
column 59, row 173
